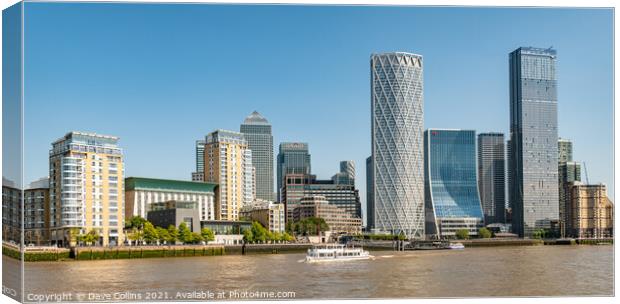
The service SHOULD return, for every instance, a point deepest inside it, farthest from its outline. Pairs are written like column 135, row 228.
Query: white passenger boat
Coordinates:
column 457, row 246
column 336, row 252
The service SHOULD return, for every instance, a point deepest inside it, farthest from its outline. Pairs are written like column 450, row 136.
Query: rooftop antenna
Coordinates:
column 585, row 169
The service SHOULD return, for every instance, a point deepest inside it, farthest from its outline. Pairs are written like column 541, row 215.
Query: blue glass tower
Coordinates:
column 452, row 201
column 533, row 158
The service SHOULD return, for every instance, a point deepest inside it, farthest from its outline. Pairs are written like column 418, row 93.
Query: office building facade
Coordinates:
column 452, row 200
column 492, row 176
column 257, row 132
column 370, row 205
column 338, row 220
column 297, row 186
column 86, row 188
column 270, row 215
column 293, row 158
column 397, row 130
column 141, row 193
column 533, row 158
column 228, row 163
column 346, row 174
column 568, row 171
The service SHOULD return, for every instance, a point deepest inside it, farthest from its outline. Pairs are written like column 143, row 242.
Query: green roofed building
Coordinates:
column 141, row 192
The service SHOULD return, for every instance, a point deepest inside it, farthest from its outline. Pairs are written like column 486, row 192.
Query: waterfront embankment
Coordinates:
column 140, row 252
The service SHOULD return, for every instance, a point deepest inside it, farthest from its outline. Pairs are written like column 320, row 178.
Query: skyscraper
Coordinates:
column 397, row 122
column 533, row 155
column 568, row 172
column 370, row 205
column 257, row 132
column 200, row 155
column 293, row 158
column 198, row 175
column 346, row 174
column 492, row 176
column 452, row 200
column 86, row 188
column 228, row 162
column 565, row 150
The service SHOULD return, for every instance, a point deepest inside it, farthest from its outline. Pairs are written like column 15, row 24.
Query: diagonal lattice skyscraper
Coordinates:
column 397, row 124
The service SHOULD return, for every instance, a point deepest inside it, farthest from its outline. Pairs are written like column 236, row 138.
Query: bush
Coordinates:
column 462, row 234
column 484, row 233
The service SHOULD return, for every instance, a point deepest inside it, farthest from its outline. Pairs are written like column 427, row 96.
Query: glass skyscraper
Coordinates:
column 492, row 176
column 452, row 200
column 257, row 132
column 293, row 158
column 200, row 156
column 397, row 125
column 568, row 171
column 533, row 158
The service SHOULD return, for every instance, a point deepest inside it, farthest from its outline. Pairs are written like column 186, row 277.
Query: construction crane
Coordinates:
column 585, row 170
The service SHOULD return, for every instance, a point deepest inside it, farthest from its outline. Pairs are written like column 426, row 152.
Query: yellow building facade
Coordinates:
column 589, row 211
column 228, row 163
column 86, row 189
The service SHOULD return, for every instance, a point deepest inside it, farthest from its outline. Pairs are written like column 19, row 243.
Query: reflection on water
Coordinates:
column 482, row 272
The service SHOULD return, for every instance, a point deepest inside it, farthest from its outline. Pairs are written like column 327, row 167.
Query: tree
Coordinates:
column 135, row 235
column 196, row 238
column 484, row 233
column 163, row 235
column 185, row 235
column 150, row 233
column 207, row 234
column 173, row 233
column 259, row 232
column 462, row 234
column 248, row 236
column 287, row 237
column 309, row 226
column 136, row 222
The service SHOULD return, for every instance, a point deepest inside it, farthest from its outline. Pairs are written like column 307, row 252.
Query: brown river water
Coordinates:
column 472, row 272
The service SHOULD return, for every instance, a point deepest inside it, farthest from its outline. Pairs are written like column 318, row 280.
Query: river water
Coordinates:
column 472, row 272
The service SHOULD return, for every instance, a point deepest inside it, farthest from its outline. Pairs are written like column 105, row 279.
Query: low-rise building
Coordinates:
column 11, row 211
column 226, row 227
column 141, row 192
column 37, row 213
column 174, row 213
column 338, row 220
column 269, row 214
column 589, row 211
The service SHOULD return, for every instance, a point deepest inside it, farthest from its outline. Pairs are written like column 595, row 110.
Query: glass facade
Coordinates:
column 397, row 124
column 533, row 159
column 200, row 156
column 452, row 199
column 293, row 158
column 492, row 176
column 257, row 132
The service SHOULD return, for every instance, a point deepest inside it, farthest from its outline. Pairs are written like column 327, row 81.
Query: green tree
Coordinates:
column 287, row 237
column 248, row 236
column 196, row 238
column 135, row 235
column 136, row 222
column 484, row 233
column 207, row 234
column 174, row 234
column 259, row 232
column 309, row 226
column 150, row 233
column 163, row 235
column 462, row 234
column 185, row 235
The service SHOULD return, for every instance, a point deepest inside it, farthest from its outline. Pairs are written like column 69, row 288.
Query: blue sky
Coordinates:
column 161, row 76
